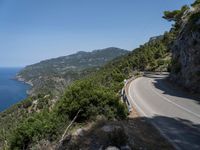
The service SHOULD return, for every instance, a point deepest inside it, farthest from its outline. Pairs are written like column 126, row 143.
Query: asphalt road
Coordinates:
column 172, row 111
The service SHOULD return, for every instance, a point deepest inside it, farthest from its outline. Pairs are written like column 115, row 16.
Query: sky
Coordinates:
column 34, row 30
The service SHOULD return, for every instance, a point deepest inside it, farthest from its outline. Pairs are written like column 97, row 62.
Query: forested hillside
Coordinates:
column 97, row 94
column 53, row 75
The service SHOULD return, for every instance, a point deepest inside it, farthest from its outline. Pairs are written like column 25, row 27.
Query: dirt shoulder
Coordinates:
column 135, row 132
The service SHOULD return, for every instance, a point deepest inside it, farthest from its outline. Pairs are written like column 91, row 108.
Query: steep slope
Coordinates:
column 95, row 95
column 186, row 47
column 54, row 75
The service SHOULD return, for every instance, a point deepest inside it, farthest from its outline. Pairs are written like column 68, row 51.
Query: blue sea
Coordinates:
column 11, row 91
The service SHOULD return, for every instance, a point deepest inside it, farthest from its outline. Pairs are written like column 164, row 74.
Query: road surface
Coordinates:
column 171, row 110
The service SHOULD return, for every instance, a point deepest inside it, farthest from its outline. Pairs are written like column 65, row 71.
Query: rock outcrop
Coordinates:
column 186, row 51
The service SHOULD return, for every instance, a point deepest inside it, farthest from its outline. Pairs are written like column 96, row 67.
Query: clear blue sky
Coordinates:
column 33, row 30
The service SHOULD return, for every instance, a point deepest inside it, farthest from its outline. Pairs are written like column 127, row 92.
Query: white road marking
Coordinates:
column 137, row 106
column 153, row 123
column 168, row 100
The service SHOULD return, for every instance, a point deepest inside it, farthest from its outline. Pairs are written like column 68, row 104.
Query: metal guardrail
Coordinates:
column 124, row 94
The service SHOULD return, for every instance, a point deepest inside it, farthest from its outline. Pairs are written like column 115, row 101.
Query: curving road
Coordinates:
column 172, row 111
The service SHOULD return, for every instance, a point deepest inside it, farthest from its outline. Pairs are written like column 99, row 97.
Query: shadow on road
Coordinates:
column 163, row 83
column 182, row 132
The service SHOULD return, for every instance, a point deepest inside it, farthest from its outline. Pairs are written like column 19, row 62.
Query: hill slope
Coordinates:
column 95, row 95
column 186, row 49
column 55, row 74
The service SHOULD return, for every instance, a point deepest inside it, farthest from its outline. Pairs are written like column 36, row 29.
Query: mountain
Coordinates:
column 36, row 124
column 41, row 120
column 55, row 74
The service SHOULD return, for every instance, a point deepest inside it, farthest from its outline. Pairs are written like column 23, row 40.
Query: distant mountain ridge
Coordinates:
column 56, row 73
column 40, row 121
column 81, row 59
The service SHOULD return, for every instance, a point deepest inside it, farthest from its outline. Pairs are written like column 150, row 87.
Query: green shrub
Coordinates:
column 197, row 2
column 33, row 129
column 92, row 99
column 97, row 94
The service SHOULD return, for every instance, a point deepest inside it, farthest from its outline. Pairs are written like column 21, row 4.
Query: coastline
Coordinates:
column 13, row 88
column 21, row 79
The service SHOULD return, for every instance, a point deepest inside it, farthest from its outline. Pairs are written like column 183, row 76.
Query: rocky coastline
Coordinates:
column 21, row 79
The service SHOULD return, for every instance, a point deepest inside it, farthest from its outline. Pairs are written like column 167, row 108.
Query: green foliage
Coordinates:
column 94, row 94
column 55, row 74
column 92, row 98
column 33, row 129
column 197, row 2
column 171, row 15
column 176, row 14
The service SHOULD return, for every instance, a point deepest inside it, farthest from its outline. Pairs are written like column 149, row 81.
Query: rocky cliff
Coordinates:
column 186, row 50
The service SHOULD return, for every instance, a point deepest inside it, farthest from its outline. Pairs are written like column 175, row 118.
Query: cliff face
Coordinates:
column 186, row 51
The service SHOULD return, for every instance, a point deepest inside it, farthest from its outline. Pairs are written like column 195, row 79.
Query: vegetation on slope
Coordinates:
column 185, row 68
column 97, row 94
column 54, row 75
column 197, row 2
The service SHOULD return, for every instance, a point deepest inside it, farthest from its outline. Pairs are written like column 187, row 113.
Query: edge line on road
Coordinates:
column 132, row 100
column 168, row 100
column 154, row 124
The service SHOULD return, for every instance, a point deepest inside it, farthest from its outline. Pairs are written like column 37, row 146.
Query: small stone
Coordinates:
column 79, row 132
column 112, row 148
column 110, row 128
column 107, row 128
column 126, row 147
